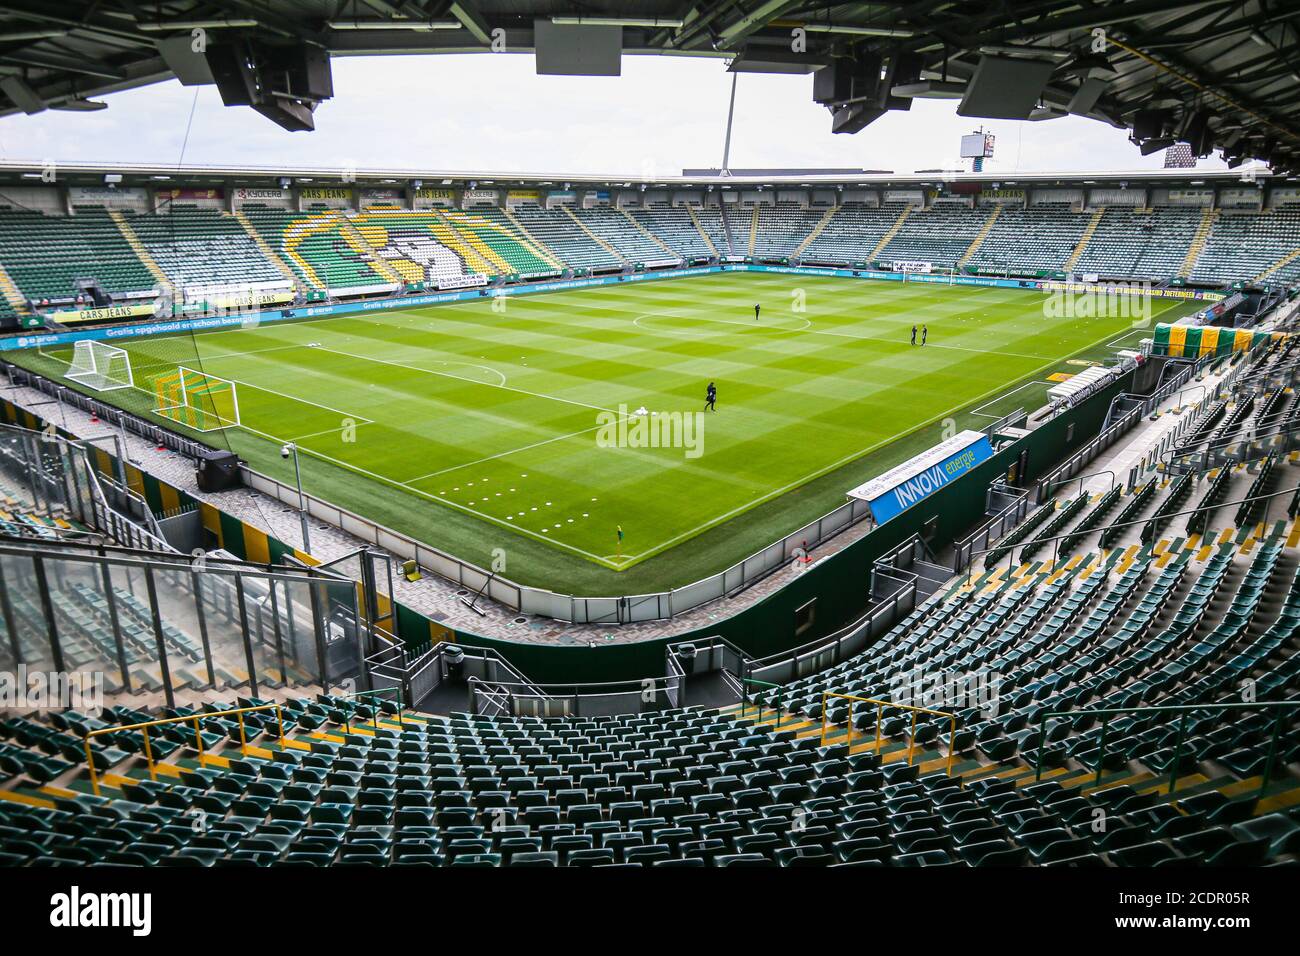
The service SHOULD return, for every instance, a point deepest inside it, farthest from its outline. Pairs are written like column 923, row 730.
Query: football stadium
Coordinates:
column 817, row 517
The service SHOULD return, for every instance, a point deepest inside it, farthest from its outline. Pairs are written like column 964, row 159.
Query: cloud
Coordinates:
column 491, row 112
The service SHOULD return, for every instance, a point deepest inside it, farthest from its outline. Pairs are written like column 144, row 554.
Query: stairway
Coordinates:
column 753, row 230
column 593, row 237
column 1199, row 240
column 265, row 248
column 531, row 242
column 983, row 234
column 731, row 238
column 690, row 210
column 296, row 232
column 1284, row 261
column 460, row 222
column 894, row 230
column 141, row 251
column 451, row 237
column 650, row 235
column 1091, row 228
column 17, row 301
column 816, row 230
column 366, row 250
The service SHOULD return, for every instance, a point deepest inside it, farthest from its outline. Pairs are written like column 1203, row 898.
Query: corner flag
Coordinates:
column 619, row 528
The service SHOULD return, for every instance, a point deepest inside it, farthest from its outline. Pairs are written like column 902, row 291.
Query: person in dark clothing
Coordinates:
column 711, row 397
column 756, row 308
column 914, row 335
column 925, row 332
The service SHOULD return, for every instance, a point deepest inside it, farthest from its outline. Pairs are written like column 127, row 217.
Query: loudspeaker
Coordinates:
column 230, row 60
column 283, row 83
column 834, row 83
column 1149, row 124
column 848, row 80
column 1196, row 133
column 218, row 471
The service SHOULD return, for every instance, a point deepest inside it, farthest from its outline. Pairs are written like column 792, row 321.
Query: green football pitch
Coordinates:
column 506, row 427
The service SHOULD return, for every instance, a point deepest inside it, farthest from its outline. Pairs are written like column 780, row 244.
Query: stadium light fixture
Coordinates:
column 860, row 31
column 419, row 26
column 176, row 26
column 24, row 35
column 1036, row 52
column 673, row 23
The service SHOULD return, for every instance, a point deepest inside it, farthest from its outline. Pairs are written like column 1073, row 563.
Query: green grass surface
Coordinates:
column 476, row 428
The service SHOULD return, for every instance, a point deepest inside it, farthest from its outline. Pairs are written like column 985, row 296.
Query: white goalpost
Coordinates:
column 100, row 366
column 197, row 400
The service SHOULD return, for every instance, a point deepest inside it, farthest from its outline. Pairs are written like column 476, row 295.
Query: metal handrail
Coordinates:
column 880, row 708
column 744, row 698
column 198, row 736
column 378, row 692
column 1182, row 709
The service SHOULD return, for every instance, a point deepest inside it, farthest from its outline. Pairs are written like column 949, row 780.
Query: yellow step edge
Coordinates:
column 63, row 792
column 1190, row 780
column 1143, row 777
column 26, row 799
column 1279, row 801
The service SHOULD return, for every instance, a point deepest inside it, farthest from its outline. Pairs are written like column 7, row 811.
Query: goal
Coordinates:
column 196, row 400
column 100, row 366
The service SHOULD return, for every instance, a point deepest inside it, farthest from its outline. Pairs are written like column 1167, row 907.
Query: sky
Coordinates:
column 492, row 113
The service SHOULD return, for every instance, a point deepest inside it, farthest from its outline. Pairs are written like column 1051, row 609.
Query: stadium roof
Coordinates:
column 1216, row 73
column 37, row 172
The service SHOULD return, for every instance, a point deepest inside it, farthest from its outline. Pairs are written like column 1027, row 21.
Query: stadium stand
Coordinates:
column 711, row 223
column 940, row 234
column 1114, row 624
column 563, row 234
column 676, row 229
column 1140, row 244
column 1036, row 238
column 45, row 255
column 202, row 247
column 782, row 227
column 853, row 233
column 621, row 233
column 362, row 252
column 1250, row 244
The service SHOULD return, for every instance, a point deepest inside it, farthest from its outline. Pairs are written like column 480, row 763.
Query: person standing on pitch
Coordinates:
column 711, row 398
column 914, row 335
column 925, row 332
column 756, row 308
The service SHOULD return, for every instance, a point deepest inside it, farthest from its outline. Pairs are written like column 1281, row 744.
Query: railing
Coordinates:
column 196, row 719
column 880, row 710
column 374, row 716
column 745, row 684
column 603, row 699
column 1182, row 710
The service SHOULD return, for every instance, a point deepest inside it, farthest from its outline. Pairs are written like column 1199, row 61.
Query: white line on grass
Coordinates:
column 824, row 470
column 472, row 381
column 983, row 414
column 812, row 331
column 512, row 451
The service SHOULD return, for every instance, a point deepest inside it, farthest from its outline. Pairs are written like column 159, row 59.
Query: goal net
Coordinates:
column 100, row 366
column 196, row 400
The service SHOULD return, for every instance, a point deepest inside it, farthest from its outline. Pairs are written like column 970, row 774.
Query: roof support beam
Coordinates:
column 472, row 21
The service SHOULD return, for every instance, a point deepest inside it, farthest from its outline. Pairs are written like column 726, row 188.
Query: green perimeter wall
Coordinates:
column 839, row 583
